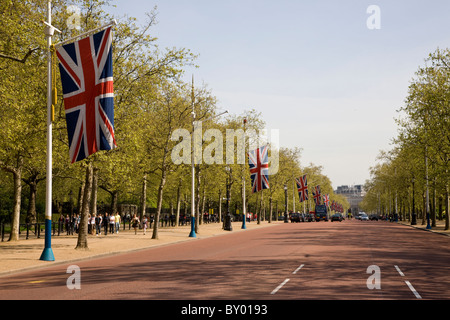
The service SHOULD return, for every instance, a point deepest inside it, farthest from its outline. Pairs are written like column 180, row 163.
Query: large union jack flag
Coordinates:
column 87, row 82
column 302, row 188
column 258, row 161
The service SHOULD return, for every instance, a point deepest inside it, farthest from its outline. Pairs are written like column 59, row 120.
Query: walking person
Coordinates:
column 145, row 224
column 93, row 228
column 117, row 221
column 98, row 224
column 67, row 223
column 135, row 223
column 106, row 223
column 112, row 223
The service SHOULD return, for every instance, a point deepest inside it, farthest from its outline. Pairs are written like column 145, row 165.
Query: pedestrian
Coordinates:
column 106, row 223
column 98, row 224
column 151, row 220
column 112, row 223
column 117, row 221
column 78, row 221
column 135, row 223
column 93, row 228
column 67, row 222
column 144, row 224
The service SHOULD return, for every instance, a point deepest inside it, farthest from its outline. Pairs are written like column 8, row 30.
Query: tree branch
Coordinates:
column 23, row 60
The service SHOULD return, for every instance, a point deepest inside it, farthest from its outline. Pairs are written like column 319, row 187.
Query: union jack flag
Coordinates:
column 302, row 188
column 326, row 200
column 258, row 161
column 317, row 195
column 87, row 82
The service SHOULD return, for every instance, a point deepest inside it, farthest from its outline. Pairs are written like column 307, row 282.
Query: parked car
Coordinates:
column 337, row 217
column 321, row 216
column 295, row 217
column 310, row 217
column 363, row 217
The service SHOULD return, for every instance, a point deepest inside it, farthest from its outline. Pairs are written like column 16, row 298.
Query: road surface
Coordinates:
column 349, row 260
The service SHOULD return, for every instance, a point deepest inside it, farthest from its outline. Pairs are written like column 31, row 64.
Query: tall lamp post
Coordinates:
column 244, row 206
column 285, row 204
column 413, row 218
column 228, row 226
column 47, row 254
column 192, row 234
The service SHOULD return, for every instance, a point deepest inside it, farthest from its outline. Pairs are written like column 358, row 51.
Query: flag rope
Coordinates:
column 54, row 89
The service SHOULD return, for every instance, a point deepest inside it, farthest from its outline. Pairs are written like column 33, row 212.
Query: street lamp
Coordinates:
column 244, row 206
column 192, row 233
column 413, row 218
column 285, row 205
column 227, row 225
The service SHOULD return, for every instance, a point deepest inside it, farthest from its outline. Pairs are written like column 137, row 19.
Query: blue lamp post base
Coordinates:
column 192, row 234
column 47, row 254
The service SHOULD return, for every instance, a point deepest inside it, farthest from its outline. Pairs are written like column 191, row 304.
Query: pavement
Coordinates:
column 439, row 228
column 23, row 255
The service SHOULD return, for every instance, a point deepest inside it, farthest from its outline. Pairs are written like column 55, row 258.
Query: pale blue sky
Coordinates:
column 313, row 68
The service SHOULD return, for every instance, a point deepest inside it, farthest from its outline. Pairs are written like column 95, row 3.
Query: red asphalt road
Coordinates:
column 318, row 260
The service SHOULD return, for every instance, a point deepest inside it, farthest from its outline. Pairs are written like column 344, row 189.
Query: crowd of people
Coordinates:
column 96, row 223
column 111, row 223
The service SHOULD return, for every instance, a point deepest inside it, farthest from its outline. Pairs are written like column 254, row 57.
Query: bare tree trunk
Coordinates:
column 80, row 197
column 114, row 200
column 143, row 197
column 177, row 217
column 83, row 231
column 220, row 206
column 270, row 209
column 31, row 212
column 159, row 206
column 261, row 209
column 93, row 202
column 447, row 207
column 17, row 176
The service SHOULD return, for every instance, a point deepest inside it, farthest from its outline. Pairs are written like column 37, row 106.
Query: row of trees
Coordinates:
column 412, row 179
column 151, row 102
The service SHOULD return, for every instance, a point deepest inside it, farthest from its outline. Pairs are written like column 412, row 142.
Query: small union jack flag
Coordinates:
column 317, row 195
column 326, row 200
column 302, row 188
column 258, row 161
column 87, row 82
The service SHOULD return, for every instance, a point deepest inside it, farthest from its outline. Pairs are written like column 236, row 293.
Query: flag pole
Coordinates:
column 112, row 23
column 192, row 233
column 47, row 254
column 244, row 205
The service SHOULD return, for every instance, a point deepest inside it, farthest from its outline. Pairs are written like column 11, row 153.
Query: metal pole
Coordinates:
column 244, row 206
column 413, row 218
column 286, row 212
column 192, row 234
column 293, row 197
column 427, row 192
column 47, row 254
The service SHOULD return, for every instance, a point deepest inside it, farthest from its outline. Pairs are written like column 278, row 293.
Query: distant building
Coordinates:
column 353, row 194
